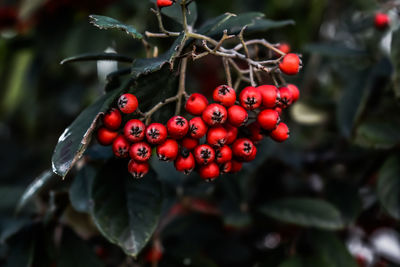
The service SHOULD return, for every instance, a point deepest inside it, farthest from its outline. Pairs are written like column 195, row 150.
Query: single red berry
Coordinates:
column 106, row 136
column 255, row 132
column 156, row 133
column 168, row 150
column 112, row 119
column 140, row 152
column 284, row 47
column 134, row 130
column 381, row 21
column 120, row 147
column 290, row 64
column 224, row 95
column 286, row 98
column 138, row 169
column 237, row 116
column 209, row 172
column 270, row 95
column 223, row 154
column 231, row 133
column 185, row 164
column 242, row 148
column 295, row 92
column 268, row 119
column 281, row 133
column 236, row 166
column 127, row 103
column 196, row 104
column 204, row 154
column 154, row 254
column 189, row 143
column 250, row 98
column 177, row 127
column 252, row 156
column 165, row 3
column 214, row 114
column 197, row 128
column 226, row 167
column 216, row 136
column 279, row 110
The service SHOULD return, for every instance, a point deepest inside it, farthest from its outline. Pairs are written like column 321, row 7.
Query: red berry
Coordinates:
column 165, row 3
column 284, row 47
column 138, row 169
column 223, row 154
column 127, row 103
column 381, row 21
column 204, row 154
column 270, row 95
column 286, row 97
column 255, row 132
column 268, row 119
column 209, row 172
column 154, row 254
column 242, row 148
column 120, row 147
column 232, row 133
column 216, row 136
column 185, row 164
column 226, row 167
column 279, row 110
column 281, row 133
column 106, row 136
column 112, row 119
column 295, row 92
column 252, row 156
column 214, row 114
column 134, row 130
column 197, row 128
column 189, row 143
column 250, row 98
column 156, row 133
column 196, row 104
column 224, row 95
column 177, row 127
column 290, row 64
column 168, row 150
column 237, row 116
column 236, row 166
column 140, row 152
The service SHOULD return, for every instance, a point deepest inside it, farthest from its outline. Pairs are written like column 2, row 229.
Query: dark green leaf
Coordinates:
column 126, row 210
column 335, row 50
column 75, row 252
column 149, row 65
column 395, row 56
column 75, row 139
column 389, row 186
column 175, row 12
column 379, row 134
column 254, row 21
column 80, row 190
column 304, row 211
column 98, row 56
column 35, row 187
column 22, row 248
column 106, row 23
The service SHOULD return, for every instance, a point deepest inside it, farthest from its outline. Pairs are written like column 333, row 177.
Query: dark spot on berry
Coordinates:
column 247, row 147
column 185, row 152
column 224, row 90
column 218, row 154
column 193, row 129
column 187, row 172
column 250, row 101
column 136, row 131
column 221, row 142
column 122, row 150
column 205, row 154
column 122, row 102
column 217, row 116
column 180, row 121
column 154, row 133
column 163, row 158
column 142, row 152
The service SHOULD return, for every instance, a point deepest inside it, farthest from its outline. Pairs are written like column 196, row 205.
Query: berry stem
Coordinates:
column 181, row 90
column 228, row 75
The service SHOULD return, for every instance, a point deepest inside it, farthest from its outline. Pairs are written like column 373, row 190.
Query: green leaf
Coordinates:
column 395, row 56
column 43, row 180
column 76, row 252
column 22, row 247
column 389, row 186
column 335, row 50
column 149, row 65
column 254, row 21
column 175, row 12
column 106, row 23
column 98, row 56
column 378, row 134
column 304, row 211
column 126, row 210
column 75, row 139
column 80, row 190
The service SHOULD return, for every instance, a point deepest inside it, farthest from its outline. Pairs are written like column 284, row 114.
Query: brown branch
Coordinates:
column 181, row 91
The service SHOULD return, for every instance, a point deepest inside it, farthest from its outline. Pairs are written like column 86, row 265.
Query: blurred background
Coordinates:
column 345, row 135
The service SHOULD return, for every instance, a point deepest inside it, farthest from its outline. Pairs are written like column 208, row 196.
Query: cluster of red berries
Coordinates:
column 217, row 139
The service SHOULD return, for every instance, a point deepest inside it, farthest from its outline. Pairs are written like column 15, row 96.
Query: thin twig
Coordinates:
column 262, row 42
column 225, row 62
column 181, row 90
column 148, row 114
